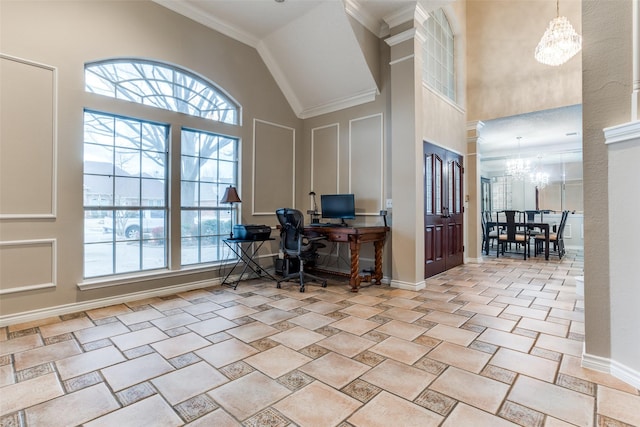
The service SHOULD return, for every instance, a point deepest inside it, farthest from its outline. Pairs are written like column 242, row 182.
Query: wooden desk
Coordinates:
column 355, row 236
column 544, row 226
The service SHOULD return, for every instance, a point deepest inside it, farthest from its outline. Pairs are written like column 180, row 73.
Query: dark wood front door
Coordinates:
column 443, row 210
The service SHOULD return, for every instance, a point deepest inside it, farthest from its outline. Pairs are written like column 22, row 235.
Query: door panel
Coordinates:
column 443, row 211
column 434, row 232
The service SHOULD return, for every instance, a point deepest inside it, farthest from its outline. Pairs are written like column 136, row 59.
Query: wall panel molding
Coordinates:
column 28, row 154
column 325, row 159
column 274, row 168
column 31, row 262
column 366, row 163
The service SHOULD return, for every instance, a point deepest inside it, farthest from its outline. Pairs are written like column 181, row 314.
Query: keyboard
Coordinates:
column 323, row 224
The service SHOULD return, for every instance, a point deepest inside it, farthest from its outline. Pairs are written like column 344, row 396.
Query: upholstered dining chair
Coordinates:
column 513, row 233
column 556, row 238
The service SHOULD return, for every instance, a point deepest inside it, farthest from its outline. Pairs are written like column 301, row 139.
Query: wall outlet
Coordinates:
column 389, row 204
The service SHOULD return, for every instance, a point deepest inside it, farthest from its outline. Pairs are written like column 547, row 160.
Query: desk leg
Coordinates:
column 378, row 244
column 354, row 249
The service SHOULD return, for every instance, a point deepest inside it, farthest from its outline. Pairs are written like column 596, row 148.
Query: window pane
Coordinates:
column 127, row 257
column 204, row 178
column 127, row 161
column 162, row 86
column 98, row 259
column 189, row 194
column 127, row 192
column 153, row 192
column 124, row 174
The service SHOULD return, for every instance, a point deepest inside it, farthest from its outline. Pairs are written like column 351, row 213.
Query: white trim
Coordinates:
column 312, row 168
column 401, row 37
column 401, row 16
column 43, row 313
column 367, row 95
column 54, row 140
column 626, row 132
column 404, row 58
column 380, row 116
column 253, row 165
column 54, row 262
column 606, row 365
column 407, row 285
column 190, row 11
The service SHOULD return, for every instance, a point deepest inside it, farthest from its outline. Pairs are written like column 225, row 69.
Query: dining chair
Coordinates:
column 556, row 238
column 513, row 233
column 493, row 233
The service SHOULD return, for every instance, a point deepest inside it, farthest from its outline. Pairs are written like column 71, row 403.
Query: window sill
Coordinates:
column 130, row 279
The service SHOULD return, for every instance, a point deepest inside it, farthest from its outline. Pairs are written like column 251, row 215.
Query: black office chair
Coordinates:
column 295, row 244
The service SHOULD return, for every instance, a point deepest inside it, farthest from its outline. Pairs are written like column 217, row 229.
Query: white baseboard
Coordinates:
column 29, row 316
column 618, row 370
column 407, row 286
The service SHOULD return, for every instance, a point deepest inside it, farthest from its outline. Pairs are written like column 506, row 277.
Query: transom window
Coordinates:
column 127, row 183
column 161, row 86
column 438, row 67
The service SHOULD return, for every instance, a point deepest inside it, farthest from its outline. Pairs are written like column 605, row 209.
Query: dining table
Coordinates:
column 530, row 225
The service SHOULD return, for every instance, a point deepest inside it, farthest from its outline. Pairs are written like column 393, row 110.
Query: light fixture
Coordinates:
column 231, row 196
column 559, row 43
column 538, row 178
column 517, row 168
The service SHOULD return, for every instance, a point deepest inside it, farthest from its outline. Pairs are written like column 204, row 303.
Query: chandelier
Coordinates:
column 559, row 43
column 539, row 179
column 518, row 168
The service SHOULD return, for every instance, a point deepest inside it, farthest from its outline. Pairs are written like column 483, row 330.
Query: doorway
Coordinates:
column 443, row 209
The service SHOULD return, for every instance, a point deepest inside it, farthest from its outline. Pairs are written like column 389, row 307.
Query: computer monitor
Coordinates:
column 338, row 206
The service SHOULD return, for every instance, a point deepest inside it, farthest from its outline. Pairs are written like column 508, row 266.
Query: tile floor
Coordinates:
column 490, row 344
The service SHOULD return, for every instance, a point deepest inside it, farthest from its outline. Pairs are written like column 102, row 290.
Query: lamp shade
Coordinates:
column 230, row 195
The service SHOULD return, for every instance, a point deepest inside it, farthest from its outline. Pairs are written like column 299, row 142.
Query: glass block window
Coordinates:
column 439, row 67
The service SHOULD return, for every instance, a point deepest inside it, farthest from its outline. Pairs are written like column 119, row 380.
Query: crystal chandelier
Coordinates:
column 518, row 168
column 559, row 43
column 539, row 179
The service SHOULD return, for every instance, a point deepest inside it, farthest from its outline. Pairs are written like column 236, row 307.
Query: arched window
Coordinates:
column 162, row 86
column 128, row 211
column 439, row 67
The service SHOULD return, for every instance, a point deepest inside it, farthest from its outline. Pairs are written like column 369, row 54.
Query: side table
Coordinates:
column 245, row 250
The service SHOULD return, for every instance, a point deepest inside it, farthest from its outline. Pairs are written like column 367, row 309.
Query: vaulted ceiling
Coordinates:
column 308, row 45
column 315, row 57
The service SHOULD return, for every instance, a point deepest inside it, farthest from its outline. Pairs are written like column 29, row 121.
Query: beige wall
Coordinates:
column 611, row 291
column 63, row 36
column 503, row 78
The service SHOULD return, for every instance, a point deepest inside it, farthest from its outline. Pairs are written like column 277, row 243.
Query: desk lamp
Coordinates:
column 231, row 196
